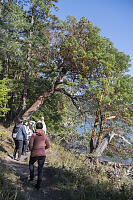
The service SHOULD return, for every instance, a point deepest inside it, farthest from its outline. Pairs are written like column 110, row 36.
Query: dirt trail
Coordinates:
column 50, row 188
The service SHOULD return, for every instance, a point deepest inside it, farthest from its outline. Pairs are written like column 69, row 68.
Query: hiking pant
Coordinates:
column 40, row 160
column 18, row 148
column 25, row 146
column 28, row 141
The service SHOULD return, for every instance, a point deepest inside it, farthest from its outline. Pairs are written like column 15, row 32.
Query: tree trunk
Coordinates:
column 103, row 145
column 7, row 65
column 26, row 80
column 95, row 125
column 94, row 132
column 43, row 97
column 27, row 71
column 36, row 105
column 100, row 137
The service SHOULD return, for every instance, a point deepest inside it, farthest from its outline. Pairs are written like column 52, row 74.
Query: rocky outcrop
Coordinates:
column 111, row 169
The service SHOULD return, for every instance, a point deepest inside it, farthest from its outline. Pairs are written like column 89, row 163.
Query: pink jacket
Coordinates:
column 38, row 143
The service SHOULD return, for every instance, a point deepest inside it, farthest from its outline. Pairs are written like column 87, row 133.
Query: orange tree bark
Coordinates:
column 36, row 105
column 45, row 95
column 95, row 125
column 94, row 131
column 100, row 137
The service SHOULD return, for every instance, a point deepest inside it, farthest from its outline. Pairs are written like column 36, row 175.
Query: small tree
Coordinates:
column 4, row 97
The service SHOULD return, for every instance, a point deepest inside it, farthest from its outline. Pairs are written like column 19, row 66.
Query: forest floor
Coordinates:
column 20, row 170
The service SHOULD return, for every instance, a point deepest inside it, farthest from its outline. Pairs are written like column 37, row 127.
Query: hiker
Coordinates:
column 19, row 135
column 32, row 125
column 38, row 145
column 25, row 142
column 43, row 122
column 29, row 132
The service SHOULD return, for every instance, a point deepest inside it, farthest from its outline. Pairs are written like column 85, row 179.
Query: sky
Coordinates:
column 113, row 17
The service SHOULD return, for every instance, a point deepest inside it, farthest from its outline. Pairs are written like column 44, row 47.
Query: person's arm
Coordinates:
column 47, row 143
column 31, row 142
column 44, row 127
column 14, row 128
column 24, row 132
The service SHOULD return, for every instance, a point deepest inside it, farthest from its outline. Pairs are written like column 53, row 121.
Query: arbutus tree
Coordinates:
column 102, row 66
column 92, row 67
column 113, row 114
column 71, row 56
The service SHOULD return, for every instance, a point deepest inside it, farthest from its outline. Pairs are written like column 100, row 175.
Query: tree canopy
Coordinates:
column 47, row 58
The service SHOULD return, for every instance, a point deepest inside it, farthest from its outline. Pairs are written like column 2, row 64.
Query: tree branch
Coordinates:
column 125, row 140
column 111, row 117
column 62, row 90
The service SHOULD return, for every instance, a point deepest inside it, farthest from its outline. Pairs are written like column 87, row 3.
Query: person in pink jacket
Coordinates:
column 38, row 145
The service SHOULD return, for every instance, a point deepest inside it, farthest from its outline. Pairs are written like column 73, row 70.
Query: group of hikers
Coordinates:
column 31, row 136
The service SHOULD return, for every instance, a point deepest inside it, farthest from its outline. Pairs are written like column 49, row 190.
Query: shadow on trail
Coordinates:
column 8, row 188
column 62, row 184
column 10, row 142
column 51, row 183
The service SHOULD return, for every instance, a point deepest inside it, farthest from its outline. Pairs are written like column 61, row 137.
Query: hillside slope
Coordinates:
column 67, row 176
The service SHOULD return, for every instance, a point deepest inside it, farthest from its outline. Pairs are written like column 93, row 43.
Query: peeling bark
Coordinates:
column 43, row 97
column 36, row 105
column 100, row 137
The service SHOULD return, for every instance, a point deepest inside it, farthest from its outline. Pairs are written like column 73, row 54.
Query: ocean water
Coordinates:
column 81, row 127
column 128, row 161
column 85, row 127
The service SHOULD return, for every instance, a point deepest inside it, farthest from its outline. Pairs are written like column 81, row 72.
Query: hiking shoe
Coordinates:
column 18, row 159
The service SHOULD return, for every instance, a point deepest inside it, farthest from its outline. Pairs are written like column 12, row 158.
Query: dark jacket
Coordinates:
column 21, row 132
column 38, row 143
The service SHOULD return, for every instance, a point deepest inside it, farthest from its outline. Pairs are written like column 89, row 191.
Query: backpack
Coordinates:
column 15, row 132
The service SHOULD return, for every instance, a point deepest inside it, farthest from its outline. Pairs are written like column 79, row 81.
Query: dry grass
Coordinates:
column 73, row 174
column 85, row 180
